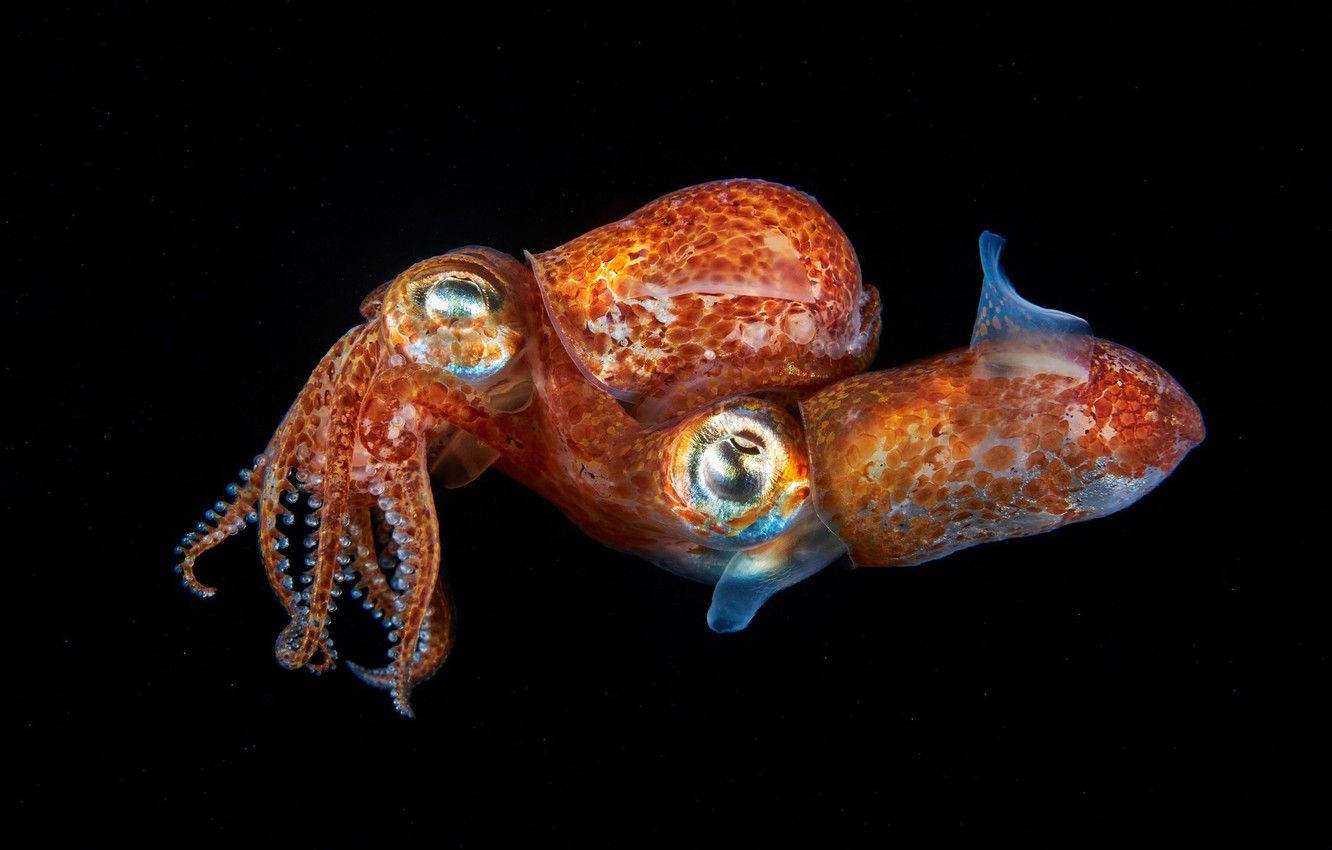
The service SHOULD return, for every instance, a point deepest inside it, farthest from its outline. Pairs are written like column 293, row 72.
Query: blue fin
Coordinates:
column 754, row 575
column 1013, row 335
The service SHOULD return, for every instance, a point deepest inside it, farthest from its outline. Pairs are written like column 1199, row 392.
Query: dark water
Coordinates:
column 201, row 204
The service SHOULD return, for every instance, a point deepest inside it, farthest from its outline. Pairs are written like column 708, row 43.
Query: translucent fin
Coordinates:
column 755, row 574
column 512, row 390
column 457, row 457
column 1014, row 336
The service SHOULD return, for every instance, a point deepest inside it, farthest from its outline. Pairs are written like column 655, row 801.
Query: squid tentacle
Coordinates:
column 434, row 643
column 263, row 489
column 435, row 640
column 255, row 499
column 422, row 642
column 289, row 453
column 227, row 519
column 375, row 554
column 331, row 499
column 273, row 544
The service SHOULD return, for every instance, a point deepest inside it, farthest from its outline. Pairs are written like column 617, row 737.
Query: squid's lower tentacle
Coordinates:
column 422, row 615
column 434, row 642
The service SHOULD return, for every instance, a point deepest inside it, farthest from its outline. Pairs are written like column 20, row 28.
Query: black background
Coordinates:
column 199, row 204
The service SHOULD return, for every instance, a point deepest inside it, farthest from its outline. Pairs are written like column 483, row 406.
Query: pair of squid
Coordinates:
column 686, row 385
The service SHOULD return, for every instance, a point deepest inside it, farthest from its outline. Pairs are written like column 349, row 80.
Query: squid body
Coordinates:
column 686, row 385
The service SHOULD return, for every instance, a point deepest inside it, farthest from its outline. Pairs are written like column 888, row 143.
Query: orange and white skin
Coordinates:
column 683, row 385
column 729, row 287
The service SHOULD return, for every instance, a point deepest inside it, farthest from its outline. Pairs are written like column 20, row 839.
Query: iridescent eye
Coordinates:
column 735, row 468
column 452, row 297
column 740, row 473
column 459, row 321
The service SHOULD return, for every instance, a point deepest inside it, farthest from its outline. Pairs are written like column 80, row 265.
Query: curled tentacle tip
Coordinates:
column 287, row 648
column 386, row 679
column 378, row 677
column 402, row 699
column 185, row 569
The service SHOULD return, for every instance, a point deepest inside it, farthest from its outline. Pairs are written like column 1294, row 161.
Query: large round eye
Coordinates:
column 739, row 473
column 454, row 319
column 454, row 297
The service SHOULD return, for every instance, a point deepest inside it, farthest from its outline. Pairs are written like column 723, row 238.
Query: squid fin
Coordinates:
column 459, row 457
column 754, row 575
column 1014, row 336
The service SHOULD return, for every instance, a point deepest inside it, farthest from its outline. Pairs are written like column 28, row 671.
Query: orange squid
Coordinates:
column 686, row 385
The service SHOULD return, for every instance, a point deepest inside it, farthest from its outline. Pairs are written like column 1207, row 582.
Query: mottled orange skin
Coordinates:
column 382, row 410
column 732, row 286
column 915, row 462
column 722, row 292
column 573, row 443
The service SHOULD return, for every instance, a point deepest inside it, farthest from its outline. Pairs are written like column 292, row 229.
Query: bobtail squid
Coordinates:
column 686, row 385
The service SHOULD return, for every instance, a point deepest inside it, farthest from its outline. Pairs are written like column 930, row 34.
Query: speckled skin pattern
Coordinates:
column 703, row 293
column 748, row 469
column 916, row 462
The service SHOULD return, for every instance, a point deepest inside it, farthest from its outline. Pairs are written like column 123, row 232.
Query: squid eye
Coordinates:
column 453, row 319
column 735, row 468
column 457, row 298
column 740, row 473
